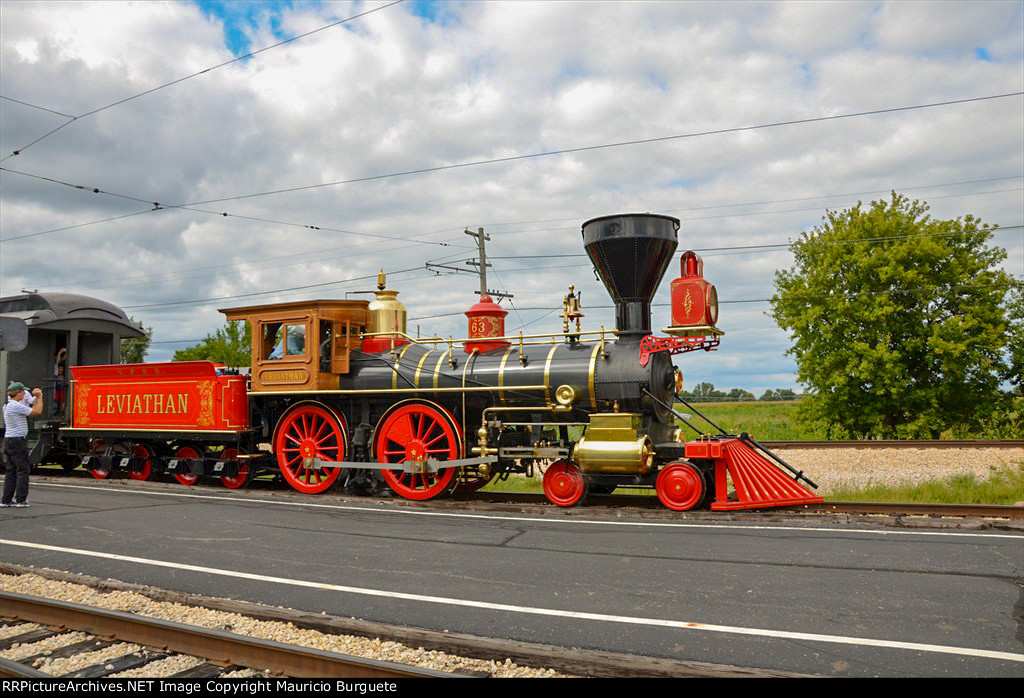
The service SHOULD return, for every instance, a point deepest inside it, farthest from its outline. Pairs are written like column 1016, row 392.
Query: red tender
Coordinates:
column 182, row 395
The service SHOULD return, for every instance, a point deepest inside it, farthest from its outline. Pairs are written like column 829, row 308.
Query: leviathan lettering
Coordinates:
column 153, row 403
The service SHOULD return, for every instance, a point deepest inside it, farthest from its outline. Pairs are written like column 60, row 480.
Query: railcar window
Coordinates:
column 270, row 346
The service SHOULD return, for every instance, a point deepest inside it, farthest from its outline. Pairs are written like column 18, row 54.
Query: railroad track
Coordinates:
column 644, row 504
column 536, row 503
column 569, row 661
column 221, row 652
column 902, row 443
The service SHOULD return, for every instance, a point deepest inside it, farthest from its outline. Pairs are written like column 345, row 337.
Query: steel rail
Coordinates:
column 917, row 509
column 602, row 503
column 900, row 443
column 214, row 645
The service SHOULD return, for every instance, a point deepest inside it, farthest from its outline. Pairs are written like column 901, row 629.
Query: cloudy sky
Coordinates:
column 275, row 141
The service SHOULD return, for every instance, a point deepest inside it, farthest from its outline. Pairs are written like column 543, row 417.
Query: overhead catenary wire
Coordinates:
column 562, row 151
column 204, row 71
column 1011, row 284
column 157, row 206
column 734, row 248
column 620, row 144
column 265, row 293
column 96, row 190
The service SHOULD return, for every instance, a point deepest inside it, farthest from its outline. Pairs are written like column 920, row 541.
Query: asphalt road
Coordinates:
column 828, row 600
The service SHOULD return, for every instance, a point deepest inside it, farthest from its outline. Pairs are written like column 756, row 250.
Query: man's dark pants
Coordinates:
column 16, row 480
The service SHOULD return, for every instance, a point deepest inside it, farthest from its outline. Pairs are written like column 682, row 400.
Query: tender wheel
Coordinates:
column 309, row 431
column 564, row 484
column 187, row 451
column 680, row 486
column 417, row 431
column 98, row 448
column 144, row 470
column 244, row 475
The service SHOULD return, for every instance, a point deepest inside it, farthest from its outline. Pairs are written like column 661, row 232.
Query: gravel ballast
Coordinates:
column 131, row 602
column 855, row 467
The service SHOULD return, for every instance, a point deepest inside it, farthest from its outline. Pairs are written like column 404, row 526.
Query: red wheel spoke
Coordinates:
column 435, row 440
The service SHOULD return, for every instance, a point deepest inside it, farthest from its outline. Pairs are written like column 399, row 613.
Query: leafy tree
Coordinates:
column 230, row 345
column 134, row 350
column 705, row 390
column 907, row 334
column 740, row 394
column 778, row 394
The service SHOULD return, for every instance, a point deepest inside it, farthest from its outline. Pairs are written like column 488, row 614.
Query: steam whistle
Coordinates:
column 572, row 310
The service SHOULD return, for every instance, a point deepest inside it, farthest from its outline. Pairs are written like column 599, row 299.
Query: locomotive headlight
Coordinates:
column 712, row 305
column 677, row 379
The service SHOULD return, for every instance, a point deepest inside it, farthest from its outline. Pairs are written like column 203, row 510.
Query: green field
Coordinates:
column 765, row 421
column 781, row 421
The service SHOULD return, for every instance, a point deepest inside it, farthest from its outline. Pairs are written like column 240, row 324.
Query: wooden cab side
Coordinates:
column 304, row 345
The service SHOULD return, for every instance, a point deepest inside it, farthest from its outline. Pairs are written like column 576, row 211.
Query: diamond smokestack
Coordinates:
column 631, row 253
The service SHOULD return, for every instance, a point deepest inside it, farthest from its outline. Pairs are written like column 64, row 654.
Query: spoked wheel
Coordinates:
column 144, row 469
column 680, row 486
column 417, row 431
column 98, row 448
column 564, row 484
column 306, row 432
column 187, row 451
column 244, row 475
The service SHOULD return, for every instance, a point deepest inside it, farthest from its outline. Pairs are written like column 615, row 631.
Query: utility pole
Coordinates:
column 480, row 263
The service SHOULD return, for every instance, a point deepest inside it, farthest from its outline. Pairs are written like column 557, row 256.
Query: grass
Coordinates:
column 1004, row 486
column 765, row 421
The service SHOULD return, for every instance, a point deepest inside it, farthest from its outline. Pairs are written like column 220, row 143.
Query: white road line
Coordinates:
column 508, row 608
column 539, row 519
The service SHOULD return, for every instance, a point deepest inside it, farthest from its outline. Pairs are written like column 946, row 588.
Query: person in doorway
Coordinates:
column 15, row 451
column 60, row 381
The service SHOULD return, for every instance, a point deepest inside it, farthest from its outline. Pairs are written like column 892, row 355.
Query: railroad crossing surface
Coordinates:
column 817, row 599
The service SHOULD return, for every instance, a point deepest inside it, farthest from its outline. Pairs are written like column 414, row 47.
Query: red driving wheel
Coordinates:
column 309, row 431
column 564, row 484
column 187, row 451
column 417, row 431
column 680, row 486
column 144, row 471
column 239, row 479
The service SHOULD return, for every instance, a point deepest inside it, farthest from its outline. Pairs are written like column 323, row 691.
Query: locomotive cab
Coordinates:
column 305, row 345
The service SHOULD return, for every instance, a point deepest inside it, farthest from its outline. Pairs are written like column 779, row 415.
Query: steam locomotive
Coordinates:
column 339, row 393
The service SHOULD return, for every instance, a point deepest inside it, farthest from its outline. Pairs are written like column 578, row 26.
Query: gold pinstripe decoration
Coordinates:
column 501, row 377
column 547, row 374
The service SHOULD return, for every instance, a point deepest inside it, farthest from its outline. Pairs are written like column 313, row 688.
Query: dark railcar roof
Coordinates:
column 42, row 309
